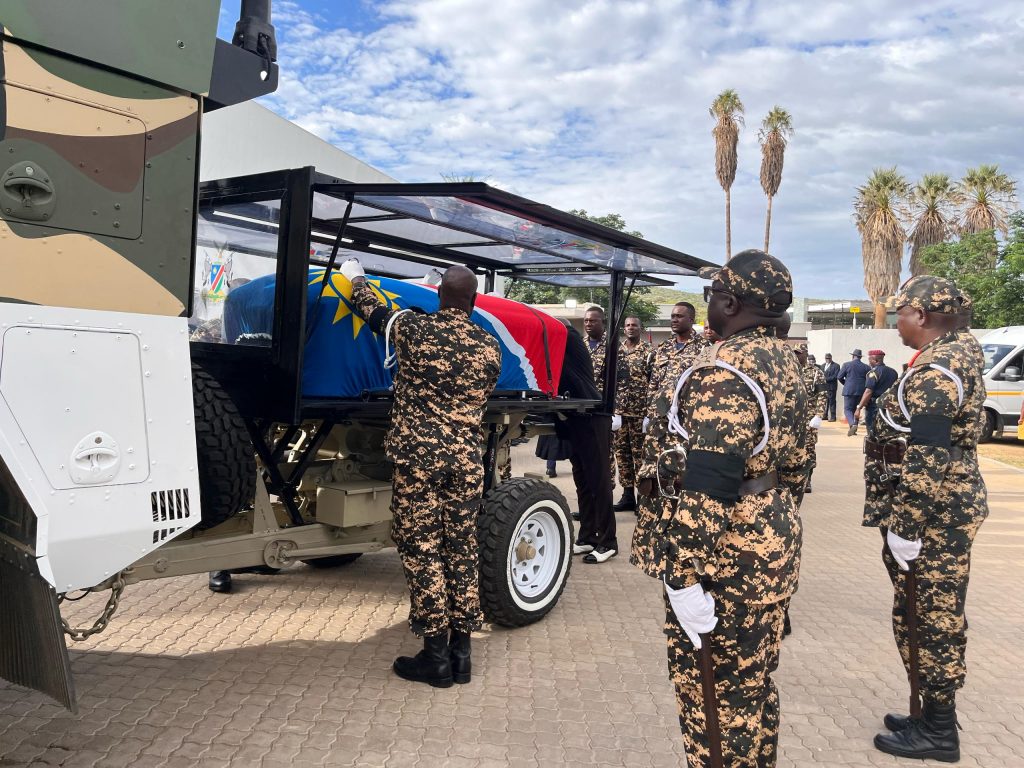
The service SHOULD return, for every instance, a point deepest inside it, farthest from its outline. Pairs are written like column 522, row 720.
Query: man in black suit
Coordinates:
column 853, row 376
column 831, row 371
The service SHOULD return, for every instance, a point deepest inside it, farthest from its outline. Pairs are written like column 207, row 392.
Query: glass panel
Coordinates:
column 512, row 254
column 994, row 353
column 585, row 280
column 236, row 249
column 528, row 235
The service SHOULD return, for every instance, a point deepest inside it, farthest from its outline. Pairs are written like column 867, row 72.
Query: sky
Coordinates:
column 603, row 104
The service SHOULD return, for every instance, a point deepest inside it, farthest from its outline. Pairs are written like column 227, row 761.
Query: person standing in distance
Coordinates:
column 831, row 371
column 597, row 344
column 878, row 380
column 731, row 546
column 634, row 374
column 852, row 376
column 938, row 505
column 817, row 393
column 447, row 368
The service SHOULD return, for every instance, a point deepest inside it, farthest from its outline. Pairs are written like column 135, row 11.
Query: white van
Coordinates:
column 1004, row 362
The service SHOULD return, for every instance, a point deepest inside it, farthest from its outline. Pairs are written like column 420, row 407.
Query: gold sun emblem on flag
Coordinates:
column 339, row 287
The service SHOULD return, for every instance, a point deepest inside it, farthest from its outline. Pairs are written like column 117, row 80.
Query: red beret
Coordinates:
column 876, row 352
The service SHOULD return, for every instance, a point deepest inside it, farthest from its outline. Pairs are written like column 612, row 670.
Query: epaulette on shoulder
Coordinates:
column 706, row 357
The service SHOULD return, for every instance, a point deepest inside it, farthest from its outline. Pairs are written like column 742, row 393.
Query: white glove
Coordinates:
column 695, row 610
column 616, row 423
column 352, row 269
column 815, row 423
column 646, row 425
column 433, row 277
column 903, row 551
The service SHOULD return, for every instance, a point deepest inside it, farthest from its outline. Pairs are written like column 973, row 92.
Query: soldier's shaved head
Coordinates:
column 457, row 289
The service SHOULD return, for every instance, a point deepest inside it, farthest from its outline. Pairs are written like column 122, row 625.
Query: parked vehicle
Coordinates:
column 1004, row 364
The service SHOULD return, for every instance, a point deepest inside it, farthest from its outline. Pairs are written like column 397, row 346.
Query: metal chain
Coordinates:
column 78, row 635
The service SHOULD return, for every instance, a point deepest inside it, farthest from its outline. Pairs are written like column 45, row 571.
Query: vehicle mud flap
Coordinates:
column 32, row 649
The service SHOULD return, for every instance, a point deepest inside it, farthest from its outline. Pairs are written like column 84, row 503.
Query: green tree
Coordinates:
column 727, row 110
column 878, row 214
column 932, row 202
column 530, row 292
column 997, row 291
column 776, row 130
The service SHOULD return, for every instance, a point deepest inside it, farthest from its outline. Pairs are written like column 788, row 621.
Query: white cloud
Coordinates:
column 602, row 104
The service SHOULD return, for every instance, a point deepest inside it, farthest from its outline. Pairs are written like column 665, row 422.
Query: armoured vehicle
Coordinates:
column 145, row 431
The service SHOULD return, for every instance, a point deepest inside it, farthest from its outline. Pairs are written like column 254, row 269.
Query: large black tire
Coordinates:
column 988, row 426
column 333, row 561
column 521, row 517
column 227, row 464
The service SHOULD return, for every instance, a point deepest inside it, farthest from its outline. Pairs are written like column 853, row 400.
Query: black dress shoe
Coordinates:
column 220, row 581
column 627, row 502
column 933, row 737
column 462, row 665
column 432, row 665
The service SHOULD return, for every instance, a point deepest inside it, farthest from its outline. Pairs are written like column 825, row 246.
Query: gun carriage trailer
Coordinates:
column 128, row 452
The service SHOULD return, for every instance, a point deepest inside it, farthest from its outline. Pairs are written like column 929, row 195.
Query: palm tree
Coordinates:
column 878, row 213
column 776, row 129
column 727, row 109
column 932, row 210
column 989, row 197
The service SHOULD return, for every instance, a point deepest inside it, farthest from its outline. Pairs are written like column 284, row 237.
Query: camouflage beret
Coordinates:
column 930, row 294
column 756, row 278
column 801, row 347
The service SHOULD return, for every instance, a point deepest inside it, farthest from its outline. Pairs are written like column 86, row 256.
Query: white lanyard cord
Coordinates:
column 677, row 428
column 884, row 412
column 391, row 358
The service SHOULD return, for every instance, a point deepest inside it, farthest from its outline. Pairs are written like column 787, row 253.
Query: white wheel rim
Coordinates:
column 535, row 555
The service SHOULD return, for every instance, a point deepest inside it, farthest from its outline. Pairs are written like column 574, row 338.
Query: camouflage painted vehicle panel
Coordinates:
column 70, row 132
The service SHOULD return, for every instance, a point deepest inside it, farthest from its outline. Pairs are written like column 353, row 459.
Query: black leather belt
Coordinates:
column 759, row 484
column 892, row 452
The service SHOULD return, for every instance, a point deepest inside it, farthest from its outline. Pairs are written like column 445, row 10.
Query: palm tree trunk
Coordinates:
column 768, row 224
column 728, row 224
column 880, row 314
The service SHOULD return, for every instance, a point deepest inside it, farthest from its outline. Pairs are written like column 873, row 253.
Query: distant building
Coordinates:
column 841, row 314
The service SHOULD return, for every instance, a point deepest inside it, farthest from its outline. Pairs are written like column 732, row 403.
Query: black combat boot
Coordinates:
column 432, row 665
column 462, row 666
column 627, row 502
column 220, row 581
column 894, row 722
column 933, row 737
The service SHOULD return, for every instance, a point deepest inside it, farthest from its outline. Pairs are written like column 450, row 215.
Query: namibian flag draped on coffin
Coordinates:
column 344, row 358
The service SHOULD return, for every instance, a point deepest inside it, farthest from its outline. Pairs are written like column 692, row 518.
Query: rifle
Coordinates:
column 707, row 682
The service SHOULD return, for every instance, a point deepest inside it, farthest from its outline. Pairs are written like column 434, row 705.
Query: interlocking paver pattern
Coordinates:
column 294, row 669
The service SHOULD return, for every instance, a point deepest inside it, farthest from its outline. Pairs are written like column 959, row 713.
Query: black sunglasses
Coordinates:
column 708, row 290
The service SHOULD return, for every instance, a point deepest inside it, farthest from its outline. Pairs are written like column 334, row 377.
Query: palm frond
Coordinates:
column 878, row 213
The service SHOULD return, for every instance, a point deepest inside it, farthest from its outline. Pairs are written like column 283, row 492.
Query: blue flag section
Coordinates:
column 344, row 358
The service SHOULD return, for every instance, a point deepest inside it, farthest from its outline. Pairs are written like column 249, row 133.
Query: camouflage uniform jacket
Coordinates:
column 597, row 357
column 669, row 363
column 634, row 373
column 935, row 490
column 754, row 543
column 447, row 368
column 817, row 392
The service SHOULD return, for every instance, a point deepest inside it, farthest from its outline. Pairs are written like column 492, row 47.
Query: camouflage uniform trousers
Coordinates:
column 943, row 570
column 745, row 653
column 434, row 527
column 629, row 443
column 810, row 444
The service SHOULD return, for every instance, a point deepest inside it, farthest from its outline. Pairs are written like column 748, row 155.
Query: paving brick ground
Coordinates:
column 294, row 670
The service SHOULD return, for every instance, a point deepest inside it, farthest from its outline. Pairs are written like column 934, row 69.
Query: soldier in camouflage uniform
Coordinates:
column 447, row 368
column 817, row 402
column 730, row 548
column 633, row 376
column 930, row 502
column 597, row 344
column 671, row 358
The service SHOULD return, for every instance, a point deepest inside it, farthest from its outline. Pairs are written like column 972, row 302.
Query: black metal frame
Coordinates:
column 265, row 382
